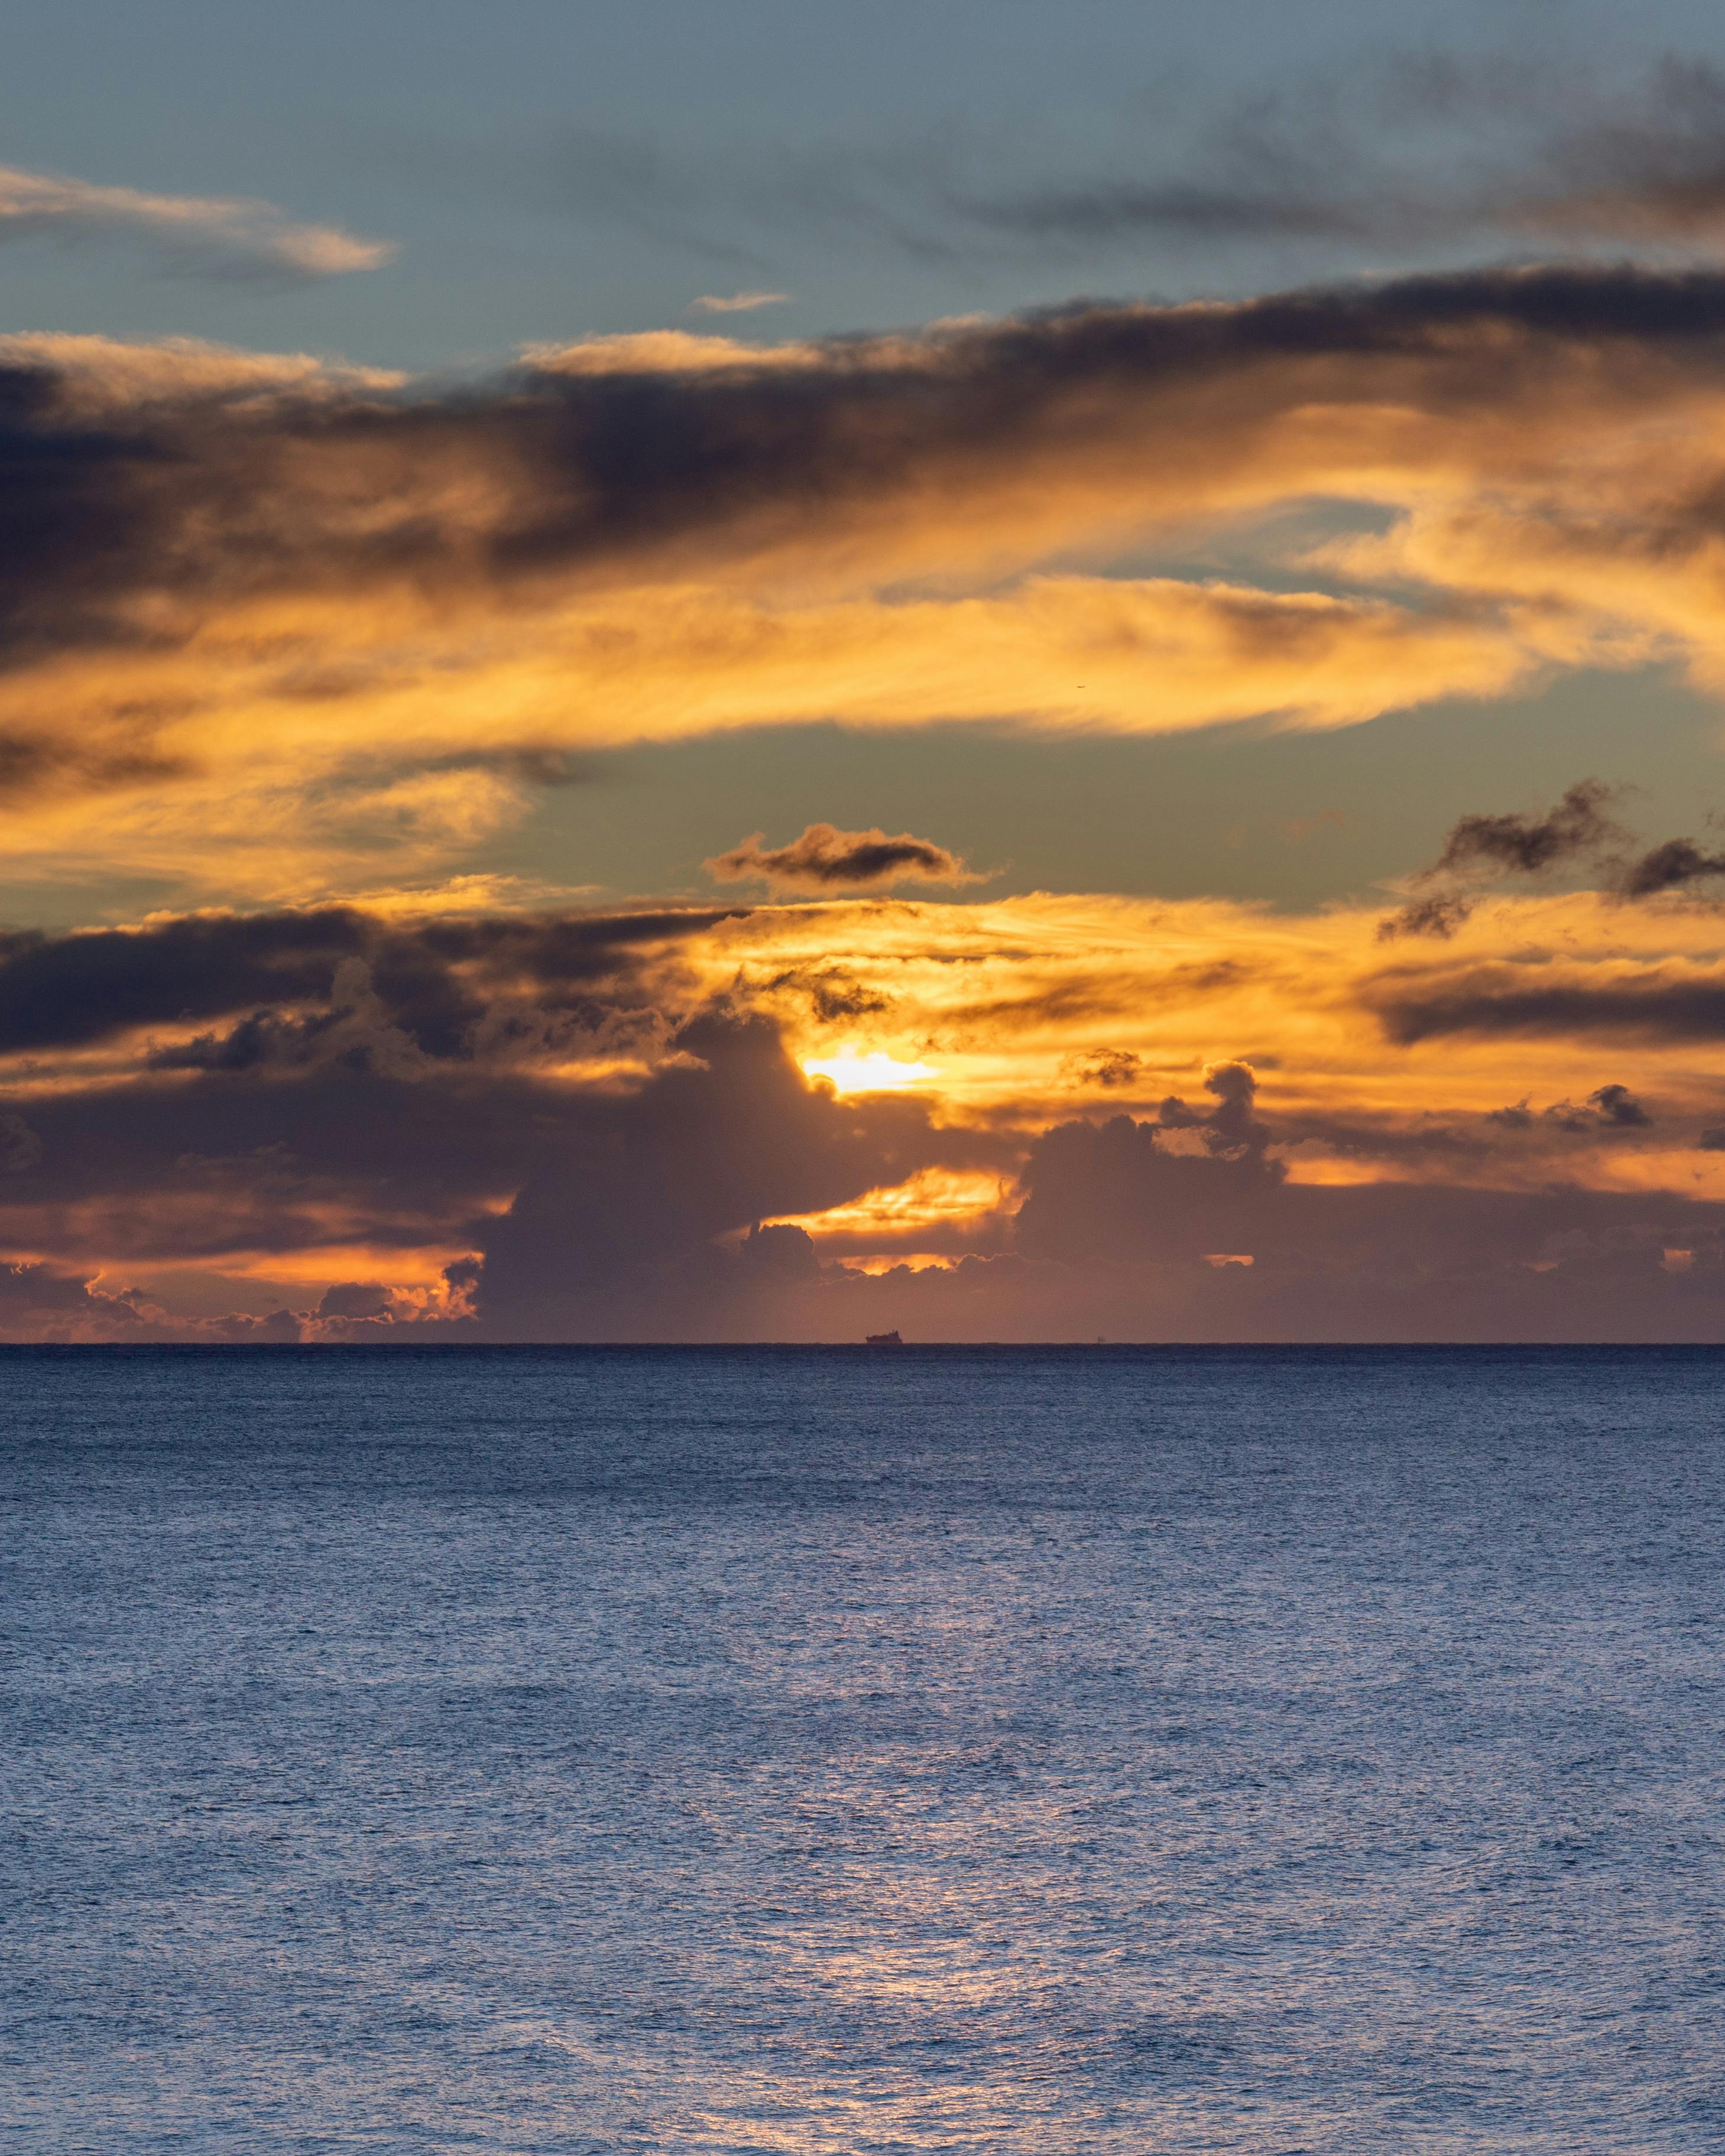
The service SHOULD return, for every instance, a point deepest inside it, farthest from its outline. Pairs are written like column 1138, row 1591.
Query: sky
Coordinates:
column 797, row 670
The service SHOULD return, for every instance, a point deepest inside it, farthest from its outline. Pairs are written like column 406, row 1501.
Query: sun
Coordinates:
column 874, row 1073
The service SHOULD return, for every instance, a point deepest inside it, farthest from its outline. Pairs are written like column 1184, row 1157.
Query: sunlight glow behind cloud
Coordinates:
column 853, row 1072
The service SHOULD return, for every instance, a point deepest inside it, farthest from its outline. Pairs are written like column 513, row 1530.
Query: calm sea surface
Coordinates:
column 997, row 1751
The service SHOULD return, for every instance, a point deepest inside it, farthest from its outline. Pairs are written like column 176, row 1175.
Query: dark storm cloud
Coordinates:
column 826, row 859
column 44, row 1301
column 334, row 1130
column 1122, row 1236
column 1230, row 1128
column 1116, row 1189
column 619, row 1233
column 437, row 978
column 1613, row 1282
column 58, row 991
column 1662, row 1004
column 170, row 1168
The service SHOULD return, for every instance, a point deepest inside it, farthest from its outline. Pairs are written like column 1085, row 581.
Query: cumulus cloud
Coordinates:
column 826, row 858
column 199, row 235
column 42, row 1302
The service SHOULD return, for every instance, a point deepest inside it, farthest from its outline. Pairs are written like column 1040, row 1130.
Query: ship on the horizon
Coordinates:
column 882, row 1340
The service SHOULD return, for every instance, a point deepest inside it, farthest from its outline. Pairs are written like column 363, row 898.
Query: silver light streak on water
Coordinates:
column 1076, row 1751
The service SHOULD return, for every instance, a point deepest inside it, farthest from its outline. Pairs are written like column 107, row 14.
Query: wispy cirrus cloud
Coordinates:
column 1415, row 152
column 737, row 303
column 1405, row 156
column 223, row 237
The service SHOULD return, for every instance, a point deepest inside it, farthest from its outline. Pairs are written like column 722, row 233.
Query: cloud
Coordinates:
column 286, row 618
column 571, row 1125
column 1577, row 828
column 1440, row 915
column 1615, row 1106
column 826, row 858
column 1672, row 867
column 309, row 987
column 1577, row 833
column 40, row 1302
column 624, row 1230
column 198, row 235
column 1406, row 156
column 1500, row 999
column 1398, row 158
column 1112, row 1069
column 737, row 303
column 668, row 351
column 1479, row 846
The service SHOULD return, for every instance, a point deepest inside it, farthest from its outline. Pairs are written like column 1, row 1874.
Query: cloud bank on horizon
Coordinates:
column 295, row 642
column 530, row 1124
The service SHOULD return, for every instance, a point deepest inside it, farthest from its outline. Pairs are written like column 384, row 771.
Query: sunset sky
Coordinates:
column 773, row 672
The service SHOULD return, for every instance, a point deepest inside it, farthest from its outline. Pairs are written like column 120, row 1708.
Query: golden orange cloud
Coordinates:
column 333, row 1099
column 317, row 622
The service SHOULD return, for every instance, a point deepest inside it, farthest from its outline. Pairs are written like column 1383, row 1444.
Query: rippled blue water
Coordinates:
column 581, row 1751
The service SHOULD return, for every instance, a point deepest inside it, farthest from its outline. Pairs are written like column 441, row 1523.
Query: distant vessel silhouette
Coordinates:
column 882, row 1340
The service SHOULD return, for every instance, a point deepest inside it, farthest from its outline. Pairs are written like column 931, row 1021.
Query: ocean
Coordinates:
column 1012, row 1750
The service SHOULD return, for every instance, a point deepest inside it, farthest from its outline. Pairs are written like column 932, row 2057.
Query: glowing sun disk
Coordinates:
column 874, row 1073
